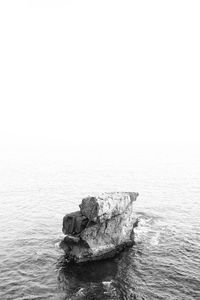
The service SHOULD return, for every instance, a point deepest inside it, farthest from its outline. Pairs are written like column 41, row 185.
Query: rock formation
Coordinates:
column 103, row 226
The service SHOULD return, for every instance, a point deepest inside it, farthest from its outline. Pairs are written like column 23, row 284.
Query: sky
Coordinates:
column 83, row 75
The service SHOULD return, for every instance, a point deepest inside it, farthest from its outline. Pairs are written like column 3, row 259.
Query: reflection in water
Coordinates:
column 92, row 280
column 97, row 280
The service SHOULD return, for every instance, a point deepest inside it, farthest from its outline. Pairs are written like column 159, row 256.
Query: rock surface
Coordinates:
column 103, row 226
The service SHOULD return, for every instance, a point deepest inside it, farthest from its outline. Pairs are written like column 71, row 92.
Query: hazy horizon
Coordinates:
column 83, row 75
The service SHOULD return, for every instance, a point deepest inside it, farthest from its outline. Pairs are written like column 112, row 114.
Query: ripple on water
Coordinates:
column 163, row 263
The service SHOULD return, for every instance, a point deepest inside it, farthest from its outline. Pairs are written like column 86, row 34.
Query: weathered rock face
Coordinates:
column 103, row 226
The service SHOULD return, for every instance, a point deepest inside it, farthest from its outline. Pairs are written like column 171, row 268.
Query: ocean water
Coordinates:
column 164, row 263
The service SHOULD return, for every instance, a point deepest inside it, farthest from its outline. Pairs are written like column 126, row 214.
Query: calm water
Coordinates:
column 163, row 264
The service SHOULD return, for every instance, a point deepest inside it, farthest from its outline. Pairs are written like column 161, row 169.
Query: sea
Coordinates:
column 164, row 262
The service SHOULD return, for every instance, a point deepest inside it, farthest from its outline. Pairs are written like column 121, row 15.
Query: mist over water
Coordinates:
column 163, row 263
column 91, row 92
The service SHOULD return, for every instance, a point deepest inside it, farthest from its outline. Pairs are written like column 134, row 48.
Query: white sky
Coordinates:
column 87, row 72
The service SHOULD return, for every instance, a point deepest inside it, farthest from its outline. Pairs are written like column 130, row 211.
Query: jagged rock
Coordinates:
column 106, row 205
column 103, row 227
column 74, row 223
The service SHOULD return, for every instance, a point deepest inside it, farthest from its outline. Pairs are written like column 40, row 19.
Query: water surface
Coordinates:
column 163, row 263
